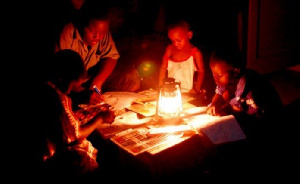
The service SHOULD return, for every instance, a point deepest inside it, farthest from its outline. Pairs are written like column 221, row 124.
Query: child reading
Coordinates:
column 242, row 92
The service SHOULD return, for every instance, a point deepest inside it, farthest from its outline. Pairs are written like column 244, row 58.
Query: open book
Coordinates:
column 219, row 129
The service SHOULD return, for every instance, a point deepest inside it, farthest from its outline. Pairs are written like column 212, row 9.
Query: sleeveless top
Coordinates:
column 183, row 71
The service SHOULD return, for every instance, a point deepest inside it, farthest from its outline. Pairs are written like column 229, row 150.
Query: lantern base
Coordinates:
column 167, row 121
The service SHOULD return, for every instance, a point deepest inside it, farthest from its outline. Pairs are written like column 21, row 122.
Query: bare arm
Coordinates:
column 218, row 103
column 164, row 66
column 162, row 72
column 103, row 117
column 102, row 75
column 86, row 129
column 200, row 69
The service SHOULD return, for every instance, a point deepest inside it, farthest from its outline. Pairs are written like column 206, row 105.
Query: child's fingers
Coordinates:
column 96, row 98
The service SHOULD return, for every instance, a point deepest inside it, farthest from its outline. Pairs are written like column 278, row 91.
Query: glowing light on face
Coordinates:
column 95, row 31
column 221, row 73
column 179, row 37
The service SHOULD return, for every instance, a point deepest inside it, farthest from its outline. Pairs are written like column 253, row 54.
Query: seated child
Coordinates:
column 68, row 150
column 242, row 92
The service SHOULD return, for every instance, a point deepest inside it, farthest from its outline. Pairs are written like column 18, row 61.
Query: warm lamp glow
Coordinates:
column 169, row 103
column 170, row 129
column 146, row 68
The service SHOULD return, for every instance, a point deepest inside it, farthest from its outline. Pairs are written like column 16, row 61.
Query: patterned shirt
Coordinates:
column 70, row 126
column 245, row 102
column 254, row 95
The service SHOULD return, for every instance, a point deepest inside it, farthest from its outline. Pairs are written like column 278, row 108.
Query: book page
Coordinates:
column 219, row 129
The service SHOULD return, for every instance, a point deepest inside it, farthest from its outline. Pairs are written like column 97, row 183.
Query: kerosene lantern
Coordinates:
column 169, row 103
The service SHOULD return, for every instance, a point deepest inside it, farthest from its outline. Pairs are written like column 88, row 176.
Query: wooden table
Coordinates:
column 188, row 160
column 180, row 160
column 170, row 164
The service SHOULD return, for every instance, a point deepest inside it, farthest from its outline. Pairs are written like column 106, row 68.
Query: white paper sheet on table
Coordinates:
column 218, row 129
column 130, row 118
column 119, row 99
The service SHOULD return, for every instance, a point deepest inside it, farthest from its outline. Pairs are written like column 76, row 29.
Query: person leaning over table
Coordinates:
column 244, row 93
column 257, row 107
column 67, row 149
column 91, row 38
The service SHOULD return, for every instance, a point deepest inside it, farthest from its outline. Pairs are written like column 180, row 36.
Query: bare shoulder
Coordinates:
column 68, row 28
column 169, row 50
column 197, row 52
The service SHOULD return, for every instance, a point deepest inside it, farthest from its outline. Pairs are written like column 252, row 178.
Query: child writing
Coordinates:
column 67, row 148
column 181, row 59
column 242, row 92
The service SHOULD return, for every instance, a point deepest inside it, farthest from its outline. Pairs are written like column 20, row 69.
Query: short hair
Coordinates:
column 90, row 12
column 179, row 23
column 66, row 65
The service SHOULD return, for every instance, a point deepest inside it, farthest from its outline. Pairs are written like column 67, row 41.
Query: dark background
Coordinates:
column 139, row 30
column 264, row 30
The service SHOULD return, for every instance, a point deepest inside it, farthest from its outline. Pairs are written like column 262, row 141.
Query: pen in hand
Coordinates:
column 99, row 92
column 97, row 89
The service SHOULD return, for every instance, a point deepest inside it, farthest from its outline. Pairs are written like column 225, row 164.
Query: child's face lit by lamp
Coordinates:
column 169, row 103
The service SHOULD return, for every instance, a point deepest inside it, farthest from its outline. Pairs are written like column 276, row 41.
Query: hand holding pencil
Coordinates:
column 97, row 90
column 96, row 96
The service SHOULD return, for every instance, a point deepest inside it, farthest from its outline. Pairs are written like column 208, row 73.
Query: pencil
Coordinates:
column 97, row 89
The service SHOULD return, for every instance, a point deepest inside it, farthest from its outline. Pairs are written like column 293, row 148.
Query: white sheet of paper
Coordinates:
column 130, row 118
column 219, row 129
column 119, row 99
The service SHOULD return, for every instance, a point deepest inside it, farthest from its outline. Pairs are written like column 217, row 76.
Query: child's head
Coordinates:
column 226, row 65
column 180, row 34
column 67, row 70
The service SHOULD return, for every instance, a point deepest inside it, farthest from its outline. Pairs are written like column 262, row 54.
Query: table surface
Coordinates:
column 188, row 160
column 193, row 149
